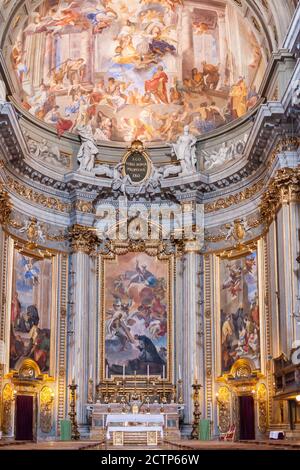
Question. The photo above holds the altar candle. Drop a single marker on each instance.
(179, 372)
(148, 371)
(73, 373)
(106, 373)
(196, 374)
(123, 371)
(91, 371)
(163, 372)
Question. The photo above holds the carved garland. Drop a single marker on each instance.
(262, 401)
(229, 201)
(46, 409)
(40, 198)
(224, 409)
(7, 402)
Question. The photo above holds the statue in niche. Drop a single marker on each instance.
(185, 152)
(88, 149)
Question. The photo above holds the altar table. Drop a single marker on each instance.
(134, 418)
(118, 424)
(168, 418)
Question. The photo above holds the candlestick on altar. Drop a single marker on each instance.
(106, 398)
(72, 412)
(196, 412)
(180, 397)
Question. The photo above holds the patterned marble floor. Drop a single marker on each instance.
(179, 445)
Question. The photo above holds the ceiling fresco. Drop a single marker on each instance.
(137, 70)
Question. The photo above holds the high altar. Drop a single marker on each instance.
(138, 410)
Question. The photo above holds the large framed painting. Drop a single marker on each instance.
(136, 308)
(239, 311)
(31, 308)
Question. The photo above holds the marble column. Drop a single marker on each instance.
(187, 43)
(189, 325)
(82, 242)
(222, 48)
(2, 91)
(287, 232)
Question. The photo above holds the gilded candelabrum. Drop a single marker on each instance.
(180, 396)
(123, 397)
(72, 413)
(147, 396)
(196, 412)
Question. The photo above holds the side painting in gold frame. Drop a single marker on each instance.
(136, 307)
(31, 307)
(239, 310)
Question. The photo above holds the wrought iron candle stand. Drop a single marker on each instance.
(196, 412)
(72, 412)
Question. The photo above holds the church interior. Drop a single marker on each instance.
(149, 224)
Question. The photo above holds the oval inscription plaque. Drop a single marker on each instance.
(136, 166)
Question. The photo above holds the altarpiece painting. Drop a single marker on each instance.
(136, 310)
(31, 311)
(239, 311)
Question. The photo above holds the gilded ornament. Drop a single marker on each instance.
(84, 206)
(31, 195)
(7, 399)
(283, 188)
(5, 206)
(262, 397)
(223, 401)
(82, 238)
(46, 406)
(284, 145)
(223, 203)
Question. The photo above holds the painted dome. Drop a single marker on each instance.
(137, 70)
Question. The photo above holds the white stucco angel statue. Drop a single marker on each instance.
(88, 149)
(185, 151)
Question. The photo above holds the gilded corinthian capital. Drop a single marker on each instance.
(82, 238)
(5, 207)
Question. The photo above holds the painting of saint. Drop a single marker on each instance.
(136, 315)
(123, 60)
(30, 311)
(239, 311)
